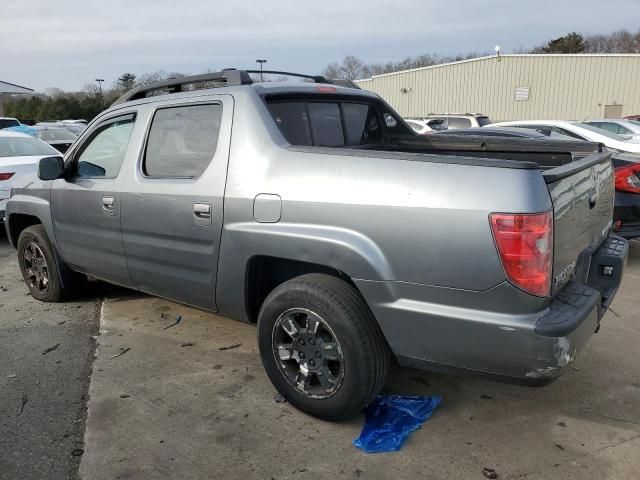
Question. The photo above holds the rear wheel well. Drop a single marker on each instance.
(18, 222)
(266, 273)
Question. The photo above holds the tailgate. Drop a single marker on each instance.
(582, 193)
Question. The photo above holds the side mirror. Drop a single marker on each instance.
(50, 168)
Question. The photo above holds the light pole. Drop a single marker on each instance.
(261, 61)
(100, 80)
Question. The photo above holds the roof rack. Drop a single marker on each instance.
(226, 78)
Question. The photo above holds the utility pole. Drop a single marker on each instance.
(100, 80)
(261, 61)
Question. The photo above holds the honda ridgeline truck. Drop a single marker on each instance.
(313, 210)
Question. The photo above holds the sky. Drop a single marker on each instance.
(66, 44)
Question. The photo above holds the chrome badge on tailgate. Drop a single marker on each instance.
(564, 275)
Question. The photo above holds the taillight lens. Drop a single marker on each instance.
(628, 178)
(525, 245)
(5, 176)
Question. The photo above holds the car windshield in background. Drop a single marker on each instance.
(24, 147)
(482, 121)
(8, 122)
(53, 134)
(600, 131)
(75, 129)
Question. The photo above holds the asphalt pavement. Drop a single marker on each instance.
(43, 396)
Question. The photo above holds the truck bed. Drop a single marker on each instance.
(545, 153)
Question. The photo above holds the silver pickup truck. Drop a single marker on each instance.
(313, 210)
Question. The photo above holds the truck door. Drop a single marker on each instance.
(172, 205)
(86, 204)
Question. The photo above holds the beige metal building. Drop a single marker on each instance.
(518, 87)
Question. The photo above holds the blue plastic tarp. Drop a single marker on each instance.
(390, 419)
(22, 129)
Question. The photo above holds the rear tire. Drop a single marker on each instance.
(40, 269)
(321, 346)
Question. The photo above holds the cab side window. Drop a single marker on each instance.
(102, 154)
(182, 141)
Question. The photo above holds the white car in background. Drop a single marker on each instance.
(419, 126)
(452, 121)
(629, 129)
(578, 130)
(19, 156)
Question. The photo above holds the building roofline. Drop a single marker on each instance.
(18, 86)
(486, 57)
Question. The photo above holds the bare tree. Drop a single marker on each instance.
(91, 89)
(54, 92)
(332, 71)
(352, 68)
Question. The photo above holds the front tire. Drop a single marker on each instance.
(38, 264)
(321, 346)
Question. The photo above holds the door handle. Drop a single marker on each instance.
(107, 205)
(202, 210)
(202, 214)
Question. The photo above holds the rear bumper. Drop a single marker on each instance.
(536, 342)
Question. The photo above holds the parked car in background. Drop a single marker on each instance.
(580, 131)
(75, 128)
(435, 124)
(6, 122)
(626, 214)
(19, 156)
(58, 137)
(80, 121)
(627, 129)
(419, 126)
(632, 117)
(262, 201)
(459, 120)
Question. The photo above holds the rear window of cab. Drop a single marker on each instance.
(327, 123)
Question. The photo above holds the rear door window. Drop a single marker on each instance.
(459, 122)
(182, 141)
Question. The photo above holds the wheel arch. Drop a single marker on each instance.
(18, 222)
(264, 273)
(289, 250)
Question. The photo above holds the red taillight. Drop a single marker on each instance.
(525, 245)
(628, 178)
(5, 176)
